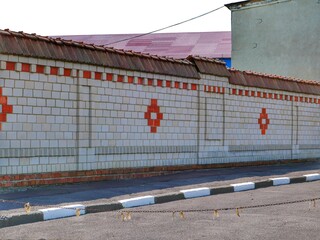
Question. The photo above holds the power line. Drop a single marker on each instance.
(173, 25)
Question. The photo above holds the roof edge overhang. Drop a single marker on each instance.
(251, 4)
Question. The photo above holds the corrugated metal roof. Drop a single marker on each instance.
(32, 45)
(210, 66)
(175, 45)
(253, 79)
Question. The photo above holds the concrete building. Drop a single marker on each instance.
(277, 37)
(72, 112)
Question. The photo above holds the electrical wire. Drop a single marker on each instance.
(160, 29)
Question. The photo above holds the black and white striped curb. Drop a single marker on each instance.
(79, 209)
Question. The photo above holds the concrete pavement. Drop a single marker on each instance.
(113, 195)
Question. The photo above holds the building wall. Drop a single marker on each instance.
(278, 37)
(59, 117)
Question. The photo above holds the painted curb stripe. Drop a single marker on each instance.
(70, 210)
(103, 207)
(221, 190)
(243, 186)
(65, 211)
(138, 201)
(263, 184)
(280, 181)
(312, 177)
(196, 192)
(297, 180)
(21, 219)
(169, 197)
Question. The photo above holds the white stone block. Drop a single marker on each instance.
(280, 181)
(238, 187)
(138, 201)
(65, 211)
(312, 177)
(196, 192)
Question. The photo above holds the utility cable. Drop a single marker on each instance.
(158, 30)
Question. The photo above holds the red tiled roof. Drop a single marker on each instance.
(210, 66)
(176, 45)
(281, 83)
(32, 45)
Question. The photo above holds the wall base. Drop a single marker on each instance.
(37, 179)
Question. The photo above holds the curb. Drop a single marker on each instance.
(79, 209)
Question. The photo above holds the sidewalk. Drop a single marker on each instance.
(101, 193)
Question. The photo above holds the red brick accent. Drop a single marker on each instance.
(194, 87)
(152, 109)
(98, 76)
(25, 67)
(3, 99)
(120, 78)
(263, 121)
(177, 84)
(40, 69)
(259, 94)
(54, 70)
(86, 74)
(159, 83)
(168, 84)
(109, 76)
(130, 79)
(140, 80)
(150, 82)
(185, 85)
(234, 91)
(11, 66)
(6, 109)
(240, 92)
(67, 72)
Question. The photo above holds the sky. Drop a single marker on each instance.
(74, 17)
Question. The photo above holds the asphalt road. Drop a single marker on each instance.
(101, 192)
(290, 221)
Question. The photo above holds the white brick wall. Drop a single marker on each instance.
(58, 125)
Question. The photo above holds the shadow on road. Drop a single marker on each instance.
(58, 194)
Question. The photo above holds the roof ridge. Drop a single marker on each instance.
(60, 40)
(207, 59)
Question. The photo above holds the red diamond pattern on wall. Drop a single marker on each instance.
(153, 115)
(263, 121)
(4, 108)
